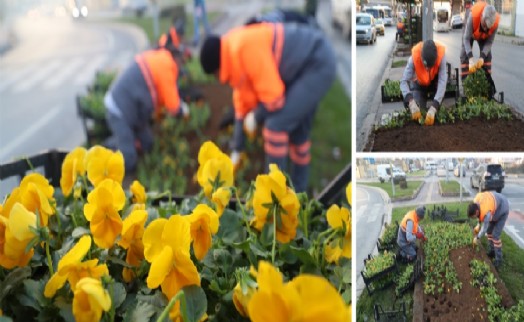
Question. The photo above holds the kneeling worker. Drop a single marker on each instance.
(410, 230)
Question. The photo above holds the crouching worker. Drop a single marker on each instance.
(409, 231)
(279, 73)
(425, 73)
(146, 86)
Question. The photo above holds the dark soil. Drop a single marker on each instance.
(219, 98)
(462, 136)
(468, 305)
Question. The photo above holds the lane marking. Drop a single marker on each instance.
(39, 76)
(17, 75)
(89, 70)
(66, 71)
(514, 232)
(31, 131)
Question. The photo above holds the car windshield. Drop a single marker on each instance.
(378, 21)
(363, 21)
(494, 168)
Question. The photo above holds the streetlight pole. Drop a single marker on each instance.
(427, 20)
(461, 160)
(391, 177)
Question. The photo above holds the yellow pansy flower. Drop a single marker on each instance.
(90, 300)
(306, 298)
(72, 269)
(204, 224)
(36, 194)
(15, 235)
(72, 167)
(104, 203)
(221, 199)
(139, 192)
(241, 300)
(131, 240)
(102, 163)
(215, 168)
(166, 247)
(271, 193)
(339, 218)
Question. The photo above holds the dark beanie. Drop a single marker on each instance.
(429, 53)
(210, 54)
(421, 211)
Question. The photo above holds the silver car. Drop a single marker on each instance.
(366, 31)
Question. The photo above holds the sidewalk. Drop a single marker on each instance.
(513, 40)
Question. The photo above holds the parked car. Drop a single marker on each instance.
(341, 16)
(456, 22)
(488, 177)
(384, 173)
(457, 169)
(366, 30)
(379, 25)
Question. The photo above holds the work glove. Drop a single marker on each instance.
(420, 235)
(250, 125)
(184, 110)
(415, 110)
(236, 158)
(475, 241)
(480, 63)
(430, 116)
(476, 229)
(472, 66)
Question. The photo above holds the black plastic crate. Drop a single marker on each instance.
(95, 127)
(386, 277)
(396, 314)
(418, 271)
(389, 99)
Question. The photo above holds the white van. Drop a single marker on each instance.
(384, 173)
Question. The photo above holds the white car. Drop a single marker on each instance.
(456, 22)
(366, 30)
(341, 16)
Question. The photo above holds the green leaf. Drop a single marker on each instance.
(303, 255)
(266, 237)
(196, 302)
(346, 296)
(223, 259)
(258, 250)
(13, 279)
(118, 295)
(65, 307)
(79, 232)
(143, 311)
(231, 228)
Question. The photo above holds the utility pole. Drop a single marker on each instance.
(155, 14)
(427, 20)
(391, 177)
(461, 160)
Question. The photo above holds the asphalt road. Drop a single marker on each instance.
(371, 63)
(370, 213)
(507, 68)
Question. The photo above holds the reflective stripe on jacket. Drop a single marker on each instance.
(412, 215)
(487, 203)
(160, 72)
(476, 15)
(249, 62)
(174, 38)
(424, 77)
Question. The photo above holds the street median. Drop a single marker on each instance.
(450, 189)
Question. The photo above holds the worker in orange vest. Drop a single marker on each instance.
(400, 30)
(492, 210)
(481, 26)
(279, 73)
(146, 86)
(409, 231)
(425, 73)
(173, 40)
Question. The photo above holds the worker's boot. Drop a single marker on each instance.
(498, 258)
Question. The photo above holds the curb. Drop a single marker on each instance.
(512, 40)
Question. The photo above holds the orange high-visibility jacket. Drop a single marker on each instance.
(412, 215)
(487, 202)
(476, 14)
(160, 72)
(424, 77)
(249, 61)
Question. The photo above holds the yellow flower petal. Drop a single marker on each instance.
(177, 233)
(89, 300)
(138, 191)
(272, 307)
(184, 273)
(133, 228)
(268, 278)
(76, 253)
(221, 199)
(55, 283)
(72, 166)
(160, 268)
(334, 216)
(20, 220)
(152, 239)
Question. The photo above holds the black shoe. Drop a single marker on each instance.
(491, 254)
(497, 263)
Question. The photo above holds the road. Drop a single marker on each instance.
(507, 74)
(370, 214)
(371, 64)
(55, 61)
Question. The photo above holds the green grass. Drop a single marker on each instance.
(331, 128)
(511, 273)
(146, 23)
(416, 173)
(412, 186)
(399, 63)
(386, 298)
(450, 186)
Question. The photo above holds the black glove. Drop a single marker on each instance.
(228, 118)
(434, 104)
(407, 98)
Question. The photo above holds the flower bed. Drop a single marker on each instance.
(91, 250)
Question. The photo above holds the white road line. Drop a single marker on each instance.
(374, 213)
(361, 210)
(39, 76)
(32, 130)
(365, 191)
(89, 70)
(514, 232)
(65, 72)
(17, 75)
